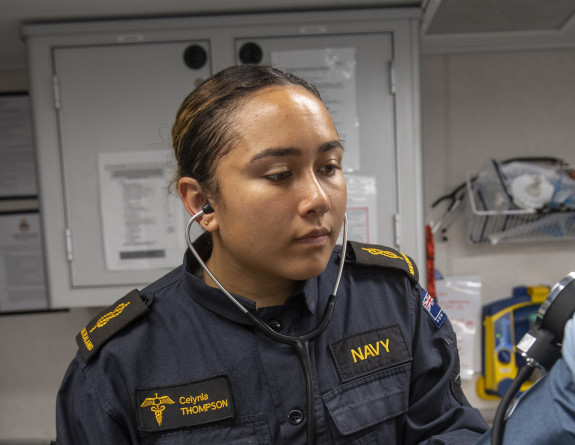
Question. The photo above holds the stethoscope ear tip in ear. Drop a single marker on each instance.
(207, 208)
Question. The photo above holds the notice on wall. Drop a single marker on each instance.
(460, 299)
(22, 277)
(361, 209)
(333, 72)
(17, 161)
(143, 223)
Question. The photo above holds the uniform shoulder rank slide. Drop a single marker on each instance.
(371, 255)
(108, 322)
(432, 309)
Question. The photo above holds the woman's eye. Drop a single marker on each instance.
(330, 169)
(278, 177)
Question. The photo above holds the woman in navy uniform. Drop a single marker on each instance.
(178, 362)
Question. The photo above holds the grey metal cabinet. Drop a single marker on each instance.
(100, 88)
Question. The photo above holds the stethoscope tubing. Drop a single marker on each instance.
(300, 343)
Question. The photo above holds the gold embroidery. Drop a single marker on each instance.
(392, 255)
(369, 350)
(406, 258)
(106, 318)
(87, 342)
(157, 405)
(386, 253)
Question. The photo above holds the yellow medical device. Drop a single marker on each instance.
(504, 324)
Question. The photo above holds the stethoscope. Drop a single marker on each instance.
(300, 343)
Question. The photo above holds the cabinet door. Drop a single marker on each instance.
(112, 99)
(369, 139)
(109, 88)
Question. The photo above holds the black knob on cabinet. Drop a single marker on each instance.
(251, 53)
(195, 57)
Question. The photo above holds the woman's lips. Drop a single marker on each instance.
(315, 237)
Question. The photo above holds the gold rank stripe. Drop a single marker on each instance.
(386, 253)
(109, 322)
(106, 318)
(100, 323)
(391, 255)
(406, 258)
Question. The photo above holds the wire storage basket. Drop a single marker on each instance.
(488, 225)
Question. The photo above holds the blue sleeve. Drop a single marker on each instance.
(546, 413)
(568, 348)
(438, 413)
(81, 416)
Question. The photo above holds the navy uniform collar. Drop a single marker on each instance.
(213, 299)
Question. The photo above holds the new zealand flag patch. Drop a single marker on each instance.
(432, 308)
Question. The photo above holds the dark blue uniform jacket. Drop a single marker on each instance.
(182, 365)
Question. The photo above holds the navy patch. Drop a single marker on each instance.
(197, 403)
(432, 308)
(108, 322)
(371, 255)
(368, 352)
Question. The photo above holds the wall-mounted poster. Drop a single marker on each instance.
(22, 277)
(361, 209)
(17, 161)
(332, 71)
(142, 222)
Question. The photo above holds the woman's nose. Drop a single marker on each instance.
(314, 197)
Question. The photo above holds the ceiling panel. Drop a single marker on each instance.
(487, 16)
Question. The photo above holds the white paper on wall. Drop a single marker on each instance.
(17, 160)
(361, 209)
(333, 72)
(460, 299)
(142, 222)
(22, 277)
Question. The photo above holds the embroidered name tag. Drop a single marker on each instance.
(197, 403)
(368, 352)
(432, 308)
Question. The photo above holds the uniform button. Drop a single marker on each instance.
(295, 417)
(276, 325)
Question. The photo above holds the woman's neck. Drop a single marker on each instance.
(264, 291)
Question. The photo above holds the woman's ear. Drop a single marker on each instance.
(191, 195)
(194, 199)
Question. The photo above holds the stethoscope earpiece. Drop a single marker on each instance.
(207, 208)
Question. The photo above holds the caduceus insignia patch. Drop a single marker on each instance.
(157, 405)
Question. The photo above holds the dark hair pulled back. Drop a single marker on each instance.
(203, 130)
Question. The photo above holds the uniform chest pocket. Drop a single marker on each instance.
(251, 430)
(368, 401)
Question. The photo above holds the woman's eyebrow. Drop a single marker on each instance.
(276, 152)
(330, 145)
(292, 151)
